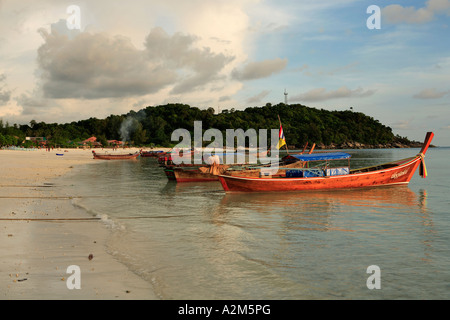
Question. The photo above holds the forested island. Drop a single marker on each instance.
(153, 127)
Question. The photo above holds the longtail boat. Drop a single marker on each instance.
(397, 172)
(169, 169)
(198, 174)
(110, 156)
(167, 158)
(204, 173)
(152, 154)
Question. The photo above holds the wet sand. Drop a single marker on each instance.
(42, 234)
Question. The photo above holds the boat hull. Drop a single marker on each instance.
(193, 176)
(116, 156)
(152, 154)
(394, 173)
(181, 174)
(400, 174)
(169, 174)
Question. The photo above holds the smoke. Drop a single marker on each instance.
(130, 125)
(127, 128)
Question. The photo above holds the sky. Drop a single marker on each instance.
(60, 65)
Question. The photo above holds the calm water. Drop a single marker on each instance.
(194, 241)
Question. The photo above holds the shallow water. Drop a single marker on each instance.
(194, 241)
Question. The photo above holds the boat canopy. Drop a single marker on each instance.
(321, 156)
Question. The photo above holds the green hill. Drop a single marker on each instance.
(154, 126)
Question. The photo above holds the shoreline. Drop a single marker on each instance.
(43, 234)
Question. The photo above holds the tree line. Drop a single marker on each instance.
(153, 126)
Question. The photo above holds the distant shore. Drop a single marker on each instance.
(42, 234)
(357, 145)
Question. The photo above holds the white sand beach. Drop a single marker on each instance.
(42, 235)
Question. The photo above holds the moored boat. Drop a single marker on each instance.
(169, 169)
(152, 154)
(317, 178)
(110, 156)
(200, 174)
(204, 173)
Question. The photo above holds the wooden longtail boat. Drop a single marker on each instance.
(198, 173)
(204, 173)
(168, 158)
(169, 169)
(393, 173)
(108, 156)
(152, 154)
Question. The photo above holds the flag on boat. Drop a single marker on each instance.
(281, 140)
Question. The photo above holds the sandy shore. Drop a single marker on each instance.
(42, 234)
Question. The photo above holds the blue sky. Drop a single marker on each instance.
(227, 54)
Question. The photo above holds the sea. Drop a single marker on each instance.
(195, 241)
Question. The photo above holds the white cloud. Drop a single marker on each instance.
(177, 52)
(401, 125)
(321, 94)
(92, 66)
(258, 98)
(398, 14)
(261, 69)
(430, 93)
(112, 58)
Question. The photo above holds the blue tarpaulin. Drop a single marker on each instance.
(321, 156)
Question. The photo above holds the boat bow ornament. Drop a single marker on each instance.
(423, 167)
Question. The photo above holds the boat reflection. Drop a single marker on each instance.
(395, 197)
(194, 187)
(369, 197)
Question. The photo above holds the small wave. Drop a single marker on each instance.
(76, 203)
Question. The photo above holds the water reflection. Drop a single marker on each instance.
(328, 200)
(199, 242)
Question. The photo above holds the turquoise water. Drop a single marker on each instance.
(194, 241)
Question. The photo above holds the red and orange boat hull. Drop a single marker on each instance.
(397, 173)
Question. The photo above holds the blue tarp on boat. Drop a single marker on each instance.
(321, 156)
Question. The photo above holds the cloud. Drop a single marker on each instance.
(224, 99)
(200, 66)
(31, 104)
(402, 125)
(398, 14)
(258, 97)
(258, 70)
(301, 69)
(430, 93)
(321, 94)
(5, 95)
(95, 66)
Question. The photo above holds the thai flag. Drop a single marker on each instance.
(281, 140)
